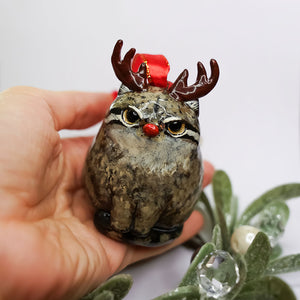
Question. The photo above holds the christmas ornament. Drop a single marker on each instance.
(144, 171)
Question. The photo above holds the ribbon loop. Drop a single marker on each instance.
(157, 68)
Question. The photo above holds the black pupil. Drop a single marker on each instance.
(175, 126)
(132, 116)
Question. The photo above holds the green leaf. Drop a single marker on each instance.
(283, 192)
(257, 256)
(105, 295)
(185, 292)
(190, 277)
(226, 205)
(276, 252)
(217, 237)
(203, 199)
(266, 288)
(223, 194)
(205, 209)
(118, 285)
(223, 226)
(290, 263)
(234, 210)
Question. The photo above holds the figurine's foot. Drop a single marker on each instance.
(157, 236)
(102, 221)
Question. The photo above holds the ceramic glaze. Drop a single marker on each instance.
(144, 171)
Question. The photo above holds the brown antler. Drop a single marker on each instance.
(135, 81)
(182, 92)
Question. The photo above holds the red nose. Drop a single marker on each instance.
(150, 130)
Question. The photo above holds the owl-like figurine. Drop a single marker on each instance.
(144, 170)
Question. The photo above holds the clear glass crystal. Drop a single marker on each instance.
(272, 221)
(218, 274)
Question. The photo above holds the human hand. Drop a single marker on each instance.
(50, 248)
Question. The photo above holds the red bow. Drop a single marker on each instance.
(157, 68)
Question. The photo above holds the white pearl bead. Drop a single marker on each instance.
(242, 238)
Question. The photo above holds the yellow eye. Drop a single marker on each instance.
(130, 116)
(176, 127)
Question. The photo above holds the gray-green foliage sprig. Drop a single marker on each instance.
(261, 260)
(256, 267)
(115, 288)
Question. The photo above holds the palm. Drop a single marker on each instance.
(46, 219)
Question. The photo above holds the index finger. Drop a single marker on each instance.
(68, 109)
(77, 110)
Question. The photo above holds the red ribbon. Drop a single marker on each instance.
(157, 68)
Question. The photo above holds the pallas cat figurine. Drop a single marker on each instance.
(144, 171)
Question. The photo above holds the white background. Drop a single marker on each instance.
(249, 122)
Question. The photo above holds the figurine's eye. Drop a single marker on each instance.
(176, 127)
(130, 116)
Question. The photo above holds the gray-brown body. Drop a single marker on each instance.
(144, 187)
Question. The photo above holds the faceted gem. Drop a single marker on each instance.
(272, 220)
(218, 274)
